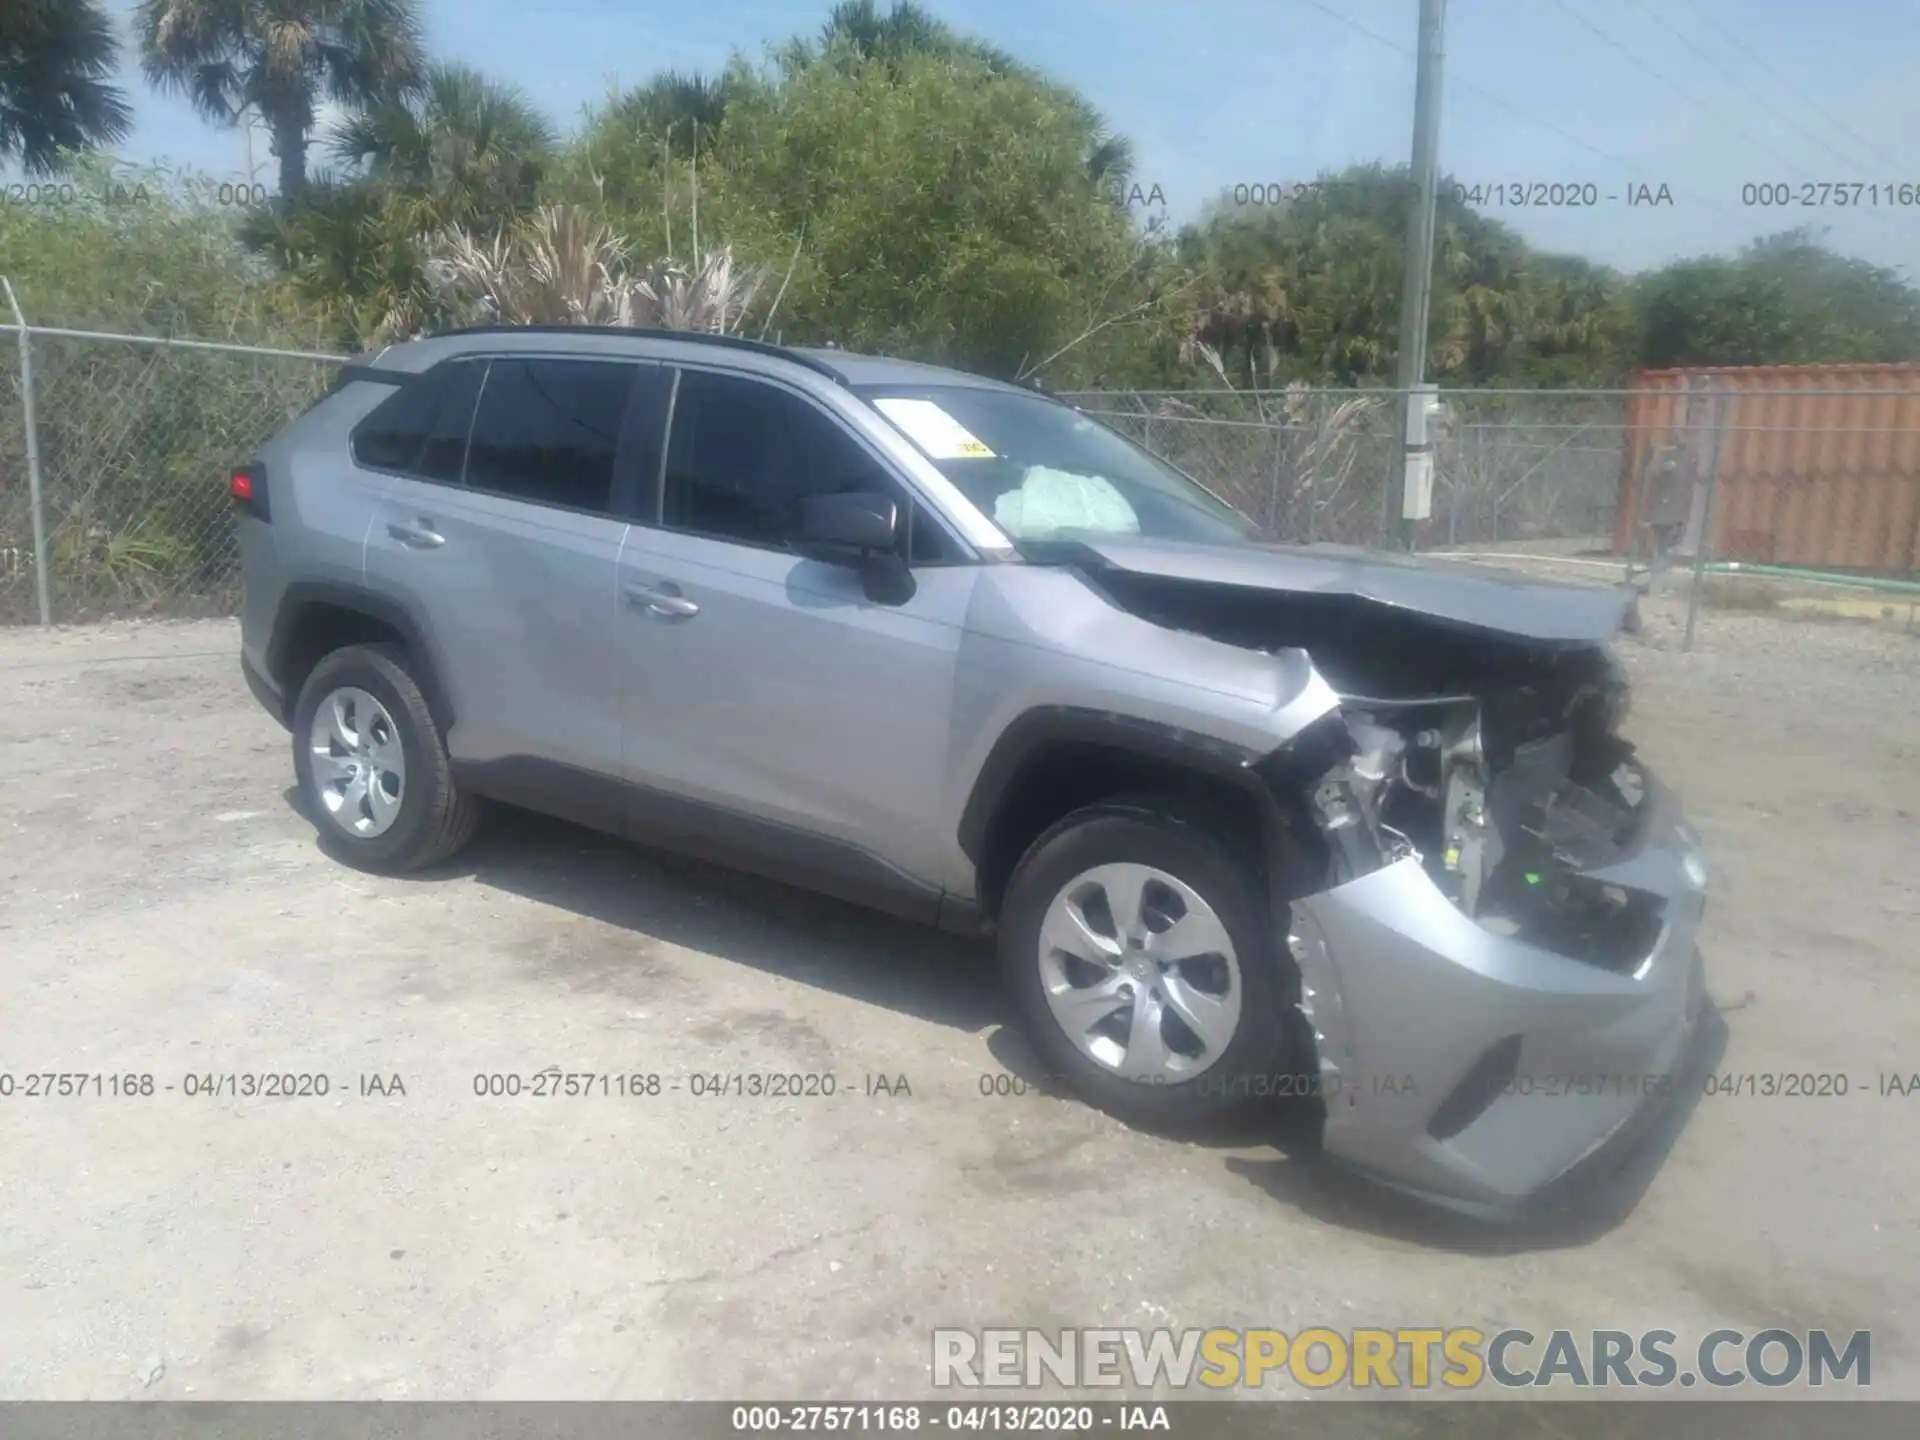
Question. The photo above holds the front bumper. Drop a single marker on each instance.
(1484, 1072)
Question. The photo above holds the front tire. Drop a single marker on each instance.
(372, 766)
(1135, 948)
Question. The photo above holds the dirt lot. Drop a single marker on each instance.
(164, 910)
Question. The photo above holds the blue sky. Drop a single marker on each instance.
(1703, 96)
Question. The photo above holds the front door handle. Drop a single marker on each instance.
(663, 600)
(419, 535)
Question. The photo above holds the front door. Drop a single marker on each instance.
(766, 687)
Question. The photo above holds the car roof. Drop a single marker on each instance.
(885, 370)
(842, 366)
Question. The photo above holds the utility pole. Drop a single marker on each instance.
(1415, 296)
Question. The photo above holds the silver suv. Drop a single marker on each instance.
(1247, 821)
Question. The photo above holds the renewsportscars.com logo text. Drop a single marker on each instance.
(1459, 1358)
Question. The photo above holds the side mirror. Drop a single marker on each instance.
(861, 530)
(856, 522)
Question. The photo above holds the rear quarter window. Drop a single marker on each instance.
(421, 429)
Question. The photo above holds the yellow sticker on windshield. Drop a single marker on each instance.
(934, 430)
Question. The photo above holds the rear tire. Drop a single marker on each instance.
(1168, 1011)
(372, 766)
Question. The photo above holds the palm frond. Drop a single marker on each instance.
(281, 60)
(563, 267)
(56, 92)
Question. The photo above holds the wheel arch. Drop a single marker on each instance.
(1056, 759)
(317, 617)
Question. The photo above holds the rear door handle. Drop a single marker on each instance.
(665, 600)
(419, 535)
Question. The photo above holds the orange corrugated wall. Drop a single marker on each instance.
(1829, 481)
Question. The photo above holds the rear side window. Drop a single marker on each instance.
(548, 431)
(421, 429)
(390, 438)
(445, 449)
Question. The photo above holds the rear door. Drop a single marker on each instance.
(505, 536)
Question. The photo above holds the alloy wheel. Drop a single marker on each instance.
(359, 767)
(1139, 971)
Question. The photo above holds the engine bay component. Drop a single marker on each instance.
(1472, 846)
(1491, 757)
(1514, 847)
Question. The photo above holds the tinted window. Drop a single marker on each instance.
(927, 543)
(392, 436)
(547, 430)
(446, 438)
(645, 434)
(742, 455)
(422, 427)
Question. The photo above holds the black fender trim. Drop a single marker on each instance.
(302, 596)
(1275, 781)
(1034, 730)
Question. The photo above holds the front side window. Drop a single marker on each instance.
(548, 431)
(1041, 470)
(743, 454)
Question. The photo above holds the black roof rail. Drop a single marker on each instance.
(698, 337)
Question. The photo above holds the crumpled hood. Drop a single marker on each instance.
(1477, 596)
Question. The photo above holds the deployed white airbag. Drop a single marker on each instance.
(1050, 500)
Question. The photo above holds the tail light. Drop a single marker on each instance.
(248, 487)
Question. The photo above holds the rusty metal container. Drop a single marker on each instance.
(1818, 465)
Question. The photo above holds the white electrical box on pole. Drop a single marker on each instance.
(1416, 292)
(1423, 410)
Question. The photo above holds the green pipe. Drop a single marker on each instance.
(1813, 577)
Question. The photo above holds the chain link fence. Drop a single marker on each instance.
(133, 440)
(1325, 465)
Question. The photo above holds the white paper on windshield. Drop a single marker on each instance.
(934, 430)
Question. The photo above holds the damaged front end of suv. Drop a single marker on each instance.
(1494, 902)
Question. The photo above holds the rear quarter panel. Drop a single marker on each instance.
(322, 506)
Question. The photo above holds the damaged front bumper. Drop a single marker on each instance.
(1482, 1071)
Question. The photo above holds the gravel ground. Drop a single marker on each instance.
(165, 911)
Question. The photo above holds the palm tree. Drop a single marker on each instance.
(472, 149)
(281, 58)
(56, 57)
(904, 31)
(683, 109)
(353, 250)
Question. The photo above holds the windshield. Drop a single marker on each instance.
(1043, 471)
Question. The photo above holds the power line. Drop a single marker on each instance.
(1788, 86)
(1353, 24)
(1747, 221)
(1468, 85)
(1666, 80)
(1488, 97)
(1567, 7)
(1712, 61)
